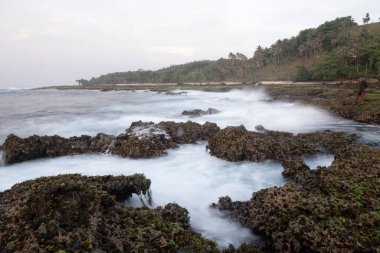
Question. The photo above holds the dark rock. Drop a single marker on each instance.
(193, 113)
(212, 111)
(81, 214)
(144, 147)
(244, 248)
(189, 132)
(172, 212)
(260, 128)
(199, 112)
(18, 149)
(238, 144)
(102, 143)
(224, 204)
(295, 169)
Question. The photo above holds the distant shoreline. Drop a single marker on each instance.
(337, 97)
(213, 86)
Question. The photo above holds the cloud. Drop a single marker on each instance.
(80, 39)
(19, 36)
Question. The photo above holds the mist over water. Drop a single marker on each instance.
(188, 176)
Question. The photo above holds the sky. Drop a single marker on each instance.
(55, 42)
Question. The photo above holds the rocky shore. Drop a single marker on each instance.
(333, 209)
(73, 213)
(329, 209)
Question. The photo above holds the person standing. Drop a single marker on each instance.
(362, 87)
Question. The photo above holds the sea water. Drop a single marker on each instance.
(188, 176)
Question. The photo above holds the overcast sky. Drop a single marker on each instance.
(55, 42)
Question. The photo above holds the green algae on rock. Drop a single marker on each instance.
(82, 214)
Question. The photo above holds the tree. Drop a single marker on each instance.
(366, 19)
(81, 82)
(303, 74)
(328, 68)
(370, 53)
(258, 57)
(231, 56)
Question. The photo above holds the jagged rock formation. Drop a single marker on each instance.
(335, 209)
(199, 112)
(81, 214)
(141, 140)
(189, 132)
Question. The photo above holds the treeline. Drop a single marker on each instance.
(336, 49)
(235, 68)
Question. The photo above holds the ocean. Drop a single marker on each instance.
(188, 176)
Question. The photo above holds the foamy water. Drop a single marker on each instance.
(188, 176)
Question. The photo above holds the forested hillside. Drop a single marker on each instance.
(338, 49)
(335, 49)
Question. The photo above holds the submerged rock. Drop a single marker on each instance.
(81, 214)
(260, 128)
(338, 211)
(199, 112)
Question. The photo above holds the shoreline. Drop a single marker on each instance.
(337, 97)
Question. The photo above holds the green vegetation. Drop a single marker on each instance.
(235, 68)
(337, 49)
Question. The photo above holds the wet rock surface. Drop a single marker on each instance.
(81, 214)
(337, 211)
(173, 212)
(18, 149)
(189, 132)
(199, 112)
(330, 209)
(141, 140)
(238, 144)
